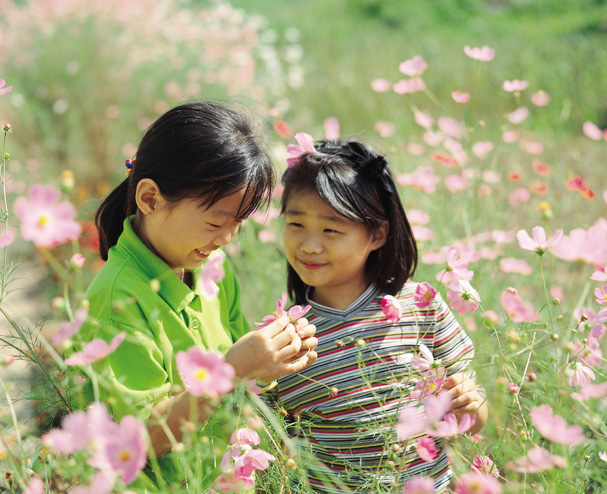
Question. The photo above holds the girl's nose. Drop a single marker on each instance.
(311, 245)
(225, 234)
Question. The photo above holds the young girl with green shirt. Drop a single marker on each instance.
(198, 172)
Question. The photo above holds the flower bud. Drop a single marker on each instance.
(513, 388)
(77, 261)
(559, 317)
(532, 377)
(67, 180)
(334, 392)
(8, 127)
(291, 464)
(554, 336)
(556, 301)
(361, 343)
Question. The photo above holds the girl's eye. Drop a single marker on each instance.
(295, 225)
(213, 226)
(331, 232)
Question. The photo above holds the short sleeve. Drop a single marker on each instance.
(452, 346)
(231, 311)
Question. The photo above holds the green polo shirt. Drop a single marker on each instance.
(142, 371)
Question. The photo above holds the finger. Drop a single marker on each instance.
(289, 350)
(310, 343)
(286, 337)
(306, 331)
(275, 327)
(300, 324)
(300, 364)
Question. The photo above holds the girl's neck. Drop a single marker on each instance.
(339, 298)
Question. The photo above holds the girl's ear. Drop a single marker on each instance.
(148, 196)
(380, 235)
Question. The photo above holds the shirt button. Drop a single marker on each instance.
(195, 323)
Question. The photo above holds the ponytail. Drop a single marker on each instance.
(111, 214)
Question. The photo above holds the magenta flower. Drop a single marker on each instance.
(513, 305)
(293, 313)
(4, 90)
(44, 220)
(294, 152)
(96, 350)
(485, 464)
(77, 261)
(204, 372)
(212, 271)
(463, 297)
(537, 460)
(484, 54)
(251, 460)
(426, 449)
(125, 451)
(601, 295)
(425, 361)
(391, 308)
(409, 86)
(554, 427)
(538, 243)
(69, 329)
(419, 485)
(101, 483)
(477, 483)
(515, 86)
(413, 67)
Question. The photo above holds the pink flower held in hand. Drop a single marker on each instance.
(44, 220)
(484, 54)
(485, 464)
(601, 295)
(212, 271)
(426, 449)
(391, 308)
(419, 485)
(69, 329)
(294, 152)
(96, 350)
(538, 243)
(555, 428)
(477, 483)
(204, 372)
(293, 313)
(463, 297)
(424, 295)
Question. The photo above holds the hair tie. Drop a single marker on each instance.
(377, 166)
(129, 167)
(294, 152)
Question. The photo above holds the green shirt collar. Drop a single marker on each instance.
(176, 293)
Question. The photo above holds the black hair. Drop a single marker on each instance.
(356, 182)
(196, 150)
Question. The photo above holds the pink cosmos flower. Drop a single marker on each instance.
(450, 127)
(294, 312)
(77, 261)
(540, 98)
(101, 483)
(244, 436)
(477, 483)
(226, 482)
(418, 217)
(513, 265)
(7, 239)
(426, 449)
(538, 243)
(423, 178)
(44, 220)
(579, 374)
(459, 97)
(253, 388)
(126, 451)
(265, 217)
(482, 148)
(600, 273)
(413, 421)
(204, 372)
(331, 126)
(518, 196)
(601, 295)
(424, 295)
(537, 460)
(449, 426)
(463, 297)
(425, 361)
(483, 54)
(4, 90)
(592, 131)
(430, 384)
(391, 308)
(456, 267)
(381, 85)
(69, 329)
(384, 129)
(267, 236)
(419, 485)
(519, 115)
(409, 86)
(515, 85)
(36, 486)
(96, 349)
(513, 305)
(422, 119)
(588, 391)
(455, 183)
(554, 427)
(294, 152)
(212, 272)
(589, 246)
(485, 464)
(251, 460)
(414, 66)
(421, 233)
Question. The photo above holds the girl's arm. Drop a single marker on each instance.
(466, 399)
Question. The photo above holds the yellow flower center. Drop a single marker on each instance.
(427, 296)
(201, 374)
(125, 455)
(43, 220)
(431, 387)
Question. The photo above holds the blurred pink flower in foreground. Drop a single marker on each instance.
(591, 391)
(305, 145)
(424, 295)
(412, 421)
(513, 305)
(463, 297)
(482, 148)
(459, 97)
(69, 329)
(426, 449)
(477, 483)
(36, 486)
(96, 349)
(204, 372)
(554, 427)
(44, 220)
(515, 85)
(600, 273)
(589, 246)
(391, 308)
(423, 178)
(6, 239)
(601, 295)
(419, 485)
(483, 54)
(212, 272)
(537, 460)
(4, 90)
(414, 66)
(485, 464)
(293, 313)
(425, 360)
(538, 243)
(592, 131)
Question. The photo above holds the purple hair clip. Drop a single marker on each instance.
(294, 152)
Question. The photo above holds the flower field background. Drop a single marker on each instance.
(493, 123)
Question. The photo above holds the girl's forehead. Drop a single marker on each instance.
(309, 203)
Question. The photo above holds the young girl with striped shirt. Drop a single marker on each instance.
(349, 244)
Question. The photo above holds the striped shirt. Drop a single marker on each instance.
(345, 405)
